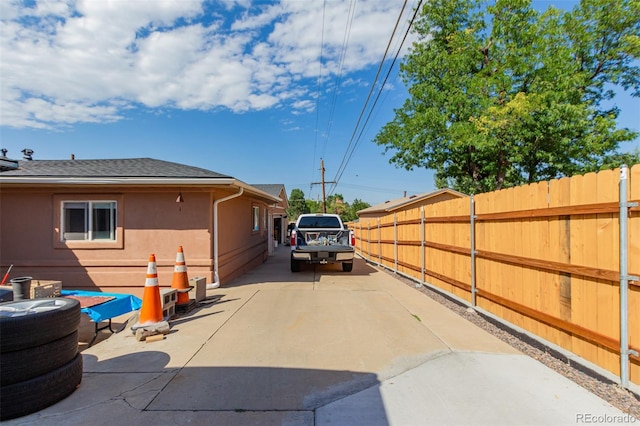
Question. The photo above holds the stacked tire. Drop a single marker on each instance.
(39, 359)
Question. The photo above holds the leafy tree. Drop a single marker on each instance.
(353, 208)
(314, 206)
(616, 160)
(503, 95)
(297, 204)
(335, 204)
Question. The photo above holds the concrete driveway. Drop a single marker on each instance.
(319, 347)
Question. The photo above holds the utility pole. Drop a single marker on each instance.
(324, 198)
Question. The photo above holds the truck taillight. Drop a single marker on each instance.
(293, 239)
(353, 239)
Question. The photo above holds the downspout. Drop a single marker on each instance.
(216, 277)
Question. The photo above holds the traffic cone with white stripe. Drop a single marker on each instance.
(180, 280)
(150, 319)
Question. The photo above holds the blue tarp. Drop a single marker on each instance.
(122, 304)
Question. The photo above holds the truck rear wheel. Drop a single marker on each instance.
(347, 266)
(295, 265)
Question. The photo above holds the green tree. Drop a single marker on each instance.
(314, 206)
(353, 209)
(503, 95)
(297, 204)
(336, 204)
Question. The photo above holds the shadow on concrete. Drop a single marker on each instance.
(143, 389)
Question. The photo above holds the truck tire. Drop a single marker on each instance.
(36, 322)
(295, 265)
(347, 266)
(25, 364)
(33, 395)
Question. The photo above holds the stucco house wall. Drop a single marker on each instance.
(149, 220)
(276, 214)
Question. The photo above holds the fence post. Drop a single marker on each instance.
(368, 240)
(422, 241)
(624, 279)
(472, 216)
(379, 244)
(395, 242)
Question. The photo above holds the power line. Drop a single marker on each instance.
(373, 84)
(348, 155)
(319, 88)
(338, 80)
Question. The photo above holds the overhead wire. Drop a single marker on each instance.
(338, 79)
(319, 91)
(342, 165)
(353, 142)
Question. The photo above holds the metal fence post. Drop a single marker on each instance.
(379, 243)
(422, 241)
(473, 250)
(368, 240)
(395, 242)
(624, 279)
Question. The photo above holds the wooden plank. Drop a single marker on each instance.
(516, 246)
(607, 257)
(536, 288)
(580, 209)
(582, 333)
(486, 241)
(581, 271)
(582, 253)
(560, 252)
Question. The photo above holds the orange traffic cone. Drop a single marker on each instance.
(180, 279)
(151, 318)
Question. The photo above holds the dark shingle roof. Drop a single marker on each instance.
(270, 188)
(117, 168)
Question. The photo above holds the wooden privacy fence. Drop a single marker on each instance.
(560, 259)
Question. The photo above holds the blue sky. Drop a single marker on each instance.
(236, 87)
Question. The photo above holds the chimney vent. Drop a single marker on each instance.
(7, 164)
(27, 154)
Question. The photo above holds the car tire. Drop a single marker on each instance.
(295, 265)
(347, 266)
(25, 364)
(36, 322)
(29, 396)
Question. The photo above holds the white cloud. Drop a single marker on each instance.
(66, 62)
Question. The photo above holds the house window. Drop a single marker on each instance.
(88, 221)
(256, 218)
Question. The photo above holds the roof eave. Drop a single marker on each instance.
(38, 180)
(151, 181)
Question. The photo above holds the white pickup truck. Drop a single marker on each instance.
(321, 238)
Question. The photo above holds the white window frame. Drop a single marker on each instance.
(89, 206)
(256, 218)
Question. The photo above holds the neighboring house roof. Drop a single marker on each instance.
(275, 189)
(392, 205)
(123, 168)
(270, 188)
(126, 171)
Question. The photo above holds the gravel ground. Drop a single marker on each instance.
(611, 392)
